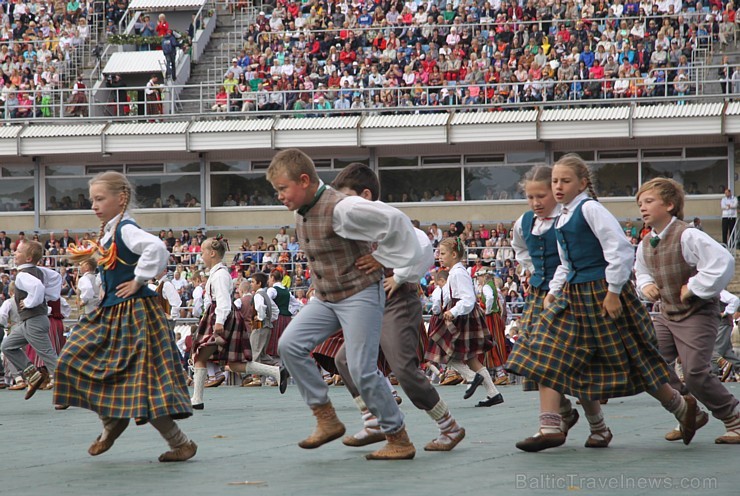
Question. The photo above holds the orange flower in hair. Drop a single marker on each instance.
(86, 250)
(110, 256)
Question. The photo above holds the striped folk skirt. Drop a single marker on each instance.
(532, 312)
(496, 356)
(576, 351)
(464, 338)
(232, 344)
(325, 353)
(277, 330)
(122, 362)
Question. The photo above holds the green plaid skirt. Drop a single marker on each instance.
(576, 351)
(122, 362)
(532, 311)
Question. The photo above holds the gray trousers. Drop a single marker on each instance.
(359, 316)
(258, 341)
(33, 331)
(723, 345)
(692, 339)
(399, 340)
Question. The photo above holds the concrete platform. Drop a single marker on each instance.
(251, 435)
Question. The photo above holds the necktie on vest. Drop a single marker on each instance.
(654, 241)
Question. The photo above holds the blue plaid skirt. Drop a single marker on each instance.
(122, 362)
(576, 351)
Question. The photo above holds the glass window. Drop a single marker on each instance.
(398, 162)
(65, 170)
(322, 163)
(166, 191)
(16, 195)
(328, 176)
(17, 171)
(675, 152)
(525, 157)
(97, 169)
(614, 154)
(585, 155)
(67, 193)
(410, 185)
(183, 167)
(454, 160)
(142, 168)
(500, 182)
(240, 166)
(341, 163)
(615, 179)
(717, 151)
(699, 177)
(484, 159)
(231, 190)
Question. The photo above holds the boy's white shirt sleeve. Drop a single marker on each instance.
(642, 273)
(85, 287)
(463, 291)
(361, 220)
(259, 306)
(152, 253)
(66, 309)
(5, 310)
(294, 306)
(31, 285)
(198, 301)
(413, 273)
(715, 265)
(52, 284)
(173, 298)
(732, 302)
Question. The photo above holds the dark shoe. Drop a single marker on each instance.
(183, 452)
(688, 424)
(61, 407)
(470, 391)
(599, 439)
(541, 441)
(3, 385)
(702, 418)
(35, 381)
(199, 406)
(570, 421)
(284, 375)
(491, 401)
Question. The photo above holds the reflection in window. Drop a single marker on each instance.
(234, 190)
(417, 185)
(699, 177)
(498, 182)
(398, 162)
(67, 193)
(230, 166)
(176, 191)
(614, 179)
(16, 195)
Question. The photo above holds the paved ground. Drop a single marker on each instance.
(251, 435)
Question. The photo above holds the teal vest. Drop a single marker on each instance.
(123, 272)
(543, 250)
(282, 300)
(582, 249)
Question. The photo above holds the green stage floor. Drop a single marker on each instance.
(251, 435)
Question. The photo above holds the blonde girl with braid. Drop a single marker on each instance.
(461, 337)
(594, 339)
(122, 362)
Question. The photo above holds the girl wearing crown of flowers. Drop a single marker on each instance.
(121, 361)
(461, 337)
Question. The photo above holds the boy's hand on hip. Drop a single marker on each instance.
(368, 264)
(651, 292)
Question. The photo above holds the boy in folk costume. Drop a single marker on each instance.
(400, 334)
(88, 287)
(264, 317)
(33, 327)
(686, 270)
(335, 231)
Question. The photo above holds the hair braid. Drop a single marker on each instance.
(127, 199)
(591, 190)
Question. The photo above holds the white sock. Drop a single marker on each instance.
(169, 431)
(199, 383)
(264, 370)
(488, 382)
(462, 367)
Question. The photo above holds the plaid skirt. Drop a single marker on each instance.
(576, 351)
(532, 310)
(277, 330)
(496, 356)
(232, 344)
(464, 338)
(122, 362)
(325, 353)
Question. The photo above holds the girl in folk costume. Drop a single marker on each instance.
(595, 340)
(488, 299)
(461, 336)
(222, 332)
(536, 248)
(450, 376)
(287, 307)
(121, 361)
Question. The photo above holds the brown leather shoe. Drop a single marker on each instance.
(35, 381)
(18, 386)
(328, 427)
(216, 382)
(99, 447)
(183, 452)
(452, 378)
(599, 439)
(446, 441)
(570, 421)
(541, 441)
(702, 418)
(688, 423)
(398, 447)
(364, 437)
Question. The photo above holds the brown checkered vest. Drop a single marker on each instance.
(670, 271)
(331, 257)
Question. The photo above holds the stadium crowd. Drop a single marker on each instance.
(345, 56)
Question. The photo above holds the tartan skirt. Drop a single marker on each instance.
(325, 353)
(532, 310)
(232, 344)
(496, 356)
(464, 338)
(576, 351)
(122, 362)
(277, 330)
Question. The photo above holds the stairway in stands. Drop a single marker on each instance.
(224, 44)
